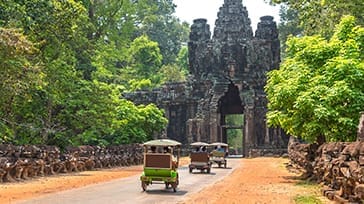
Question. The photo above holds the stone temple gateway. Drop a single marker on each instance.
(227, 76)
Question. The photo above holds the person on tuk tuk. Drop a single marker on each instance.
(202, 149)
(220, 149)
(153, 149)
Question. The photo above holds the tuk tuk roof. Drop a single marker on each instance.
(162, 142)
(200, 144)
(219, 144)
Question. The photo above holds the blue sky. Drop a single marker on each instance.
(187, 10)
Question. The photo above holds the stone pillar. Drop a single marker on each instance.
(218, 136)
(249, 129)
(194, 130)
(214, 125)
(267, 140)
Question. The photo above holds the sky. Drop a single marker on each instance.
(188, 10)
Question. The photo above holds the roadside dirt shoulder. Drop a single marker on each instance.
(256, 181)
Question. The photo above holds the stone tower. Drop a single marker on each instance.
(227, 76)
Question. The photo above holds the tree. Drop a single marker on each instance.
(182, 60)
(137, 124)
(320, 17)
(89, 113)
(172, 73)
(88, 51)
(19, 73)
(116, 24)
(161, 26)
(235, 136)
(318, 91)
(137, 85)
(288, 26)
(145, 58)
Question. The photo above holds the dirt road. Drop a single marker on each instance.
(128, 190)
(259, 180)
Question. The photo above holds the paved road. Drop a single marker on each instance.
(128, 190)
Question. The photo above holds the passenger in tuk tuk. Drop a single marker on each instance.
(153, 149)
(202, 149)
(220, 149)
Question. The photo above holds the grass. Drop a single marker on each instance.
(307, 199)
(307, 184)
(312, 195)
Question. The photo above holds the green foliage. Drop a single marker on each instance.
(144, 84)
(182, 60)
(235, 136)
(145, 57)
(89, 113)
(319, 90)
(126, 22)
(320, 17)
(64, 89)
(288, 26)
(143, 65)
(137, 123)
(110, 63)
(19, 74)
(172, 73)
(162, 27)
(176, 72)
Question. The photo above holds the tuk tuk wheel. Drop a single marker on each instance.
(144, 185)
(174, 186)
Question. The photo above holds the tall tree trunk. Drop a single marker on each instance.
(360, 136)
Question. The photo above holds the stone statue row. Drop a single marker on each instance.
(339, 166)
(28, 161)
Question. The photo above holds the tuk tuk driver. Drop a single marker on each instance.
(220, 149)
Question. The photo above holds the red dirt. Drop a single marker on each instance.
(258, 180)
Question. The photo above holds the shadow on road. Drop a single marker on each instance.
(216, 167)
(167, 192)
(203, 173)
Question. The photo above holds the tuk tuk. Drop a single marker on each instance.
(161, 158)
(200, 158)
(219, 154)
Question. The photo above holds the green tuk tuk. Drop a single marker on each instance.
(161, 158)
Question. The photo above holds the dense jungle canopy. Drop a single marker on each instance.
(64, 65)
